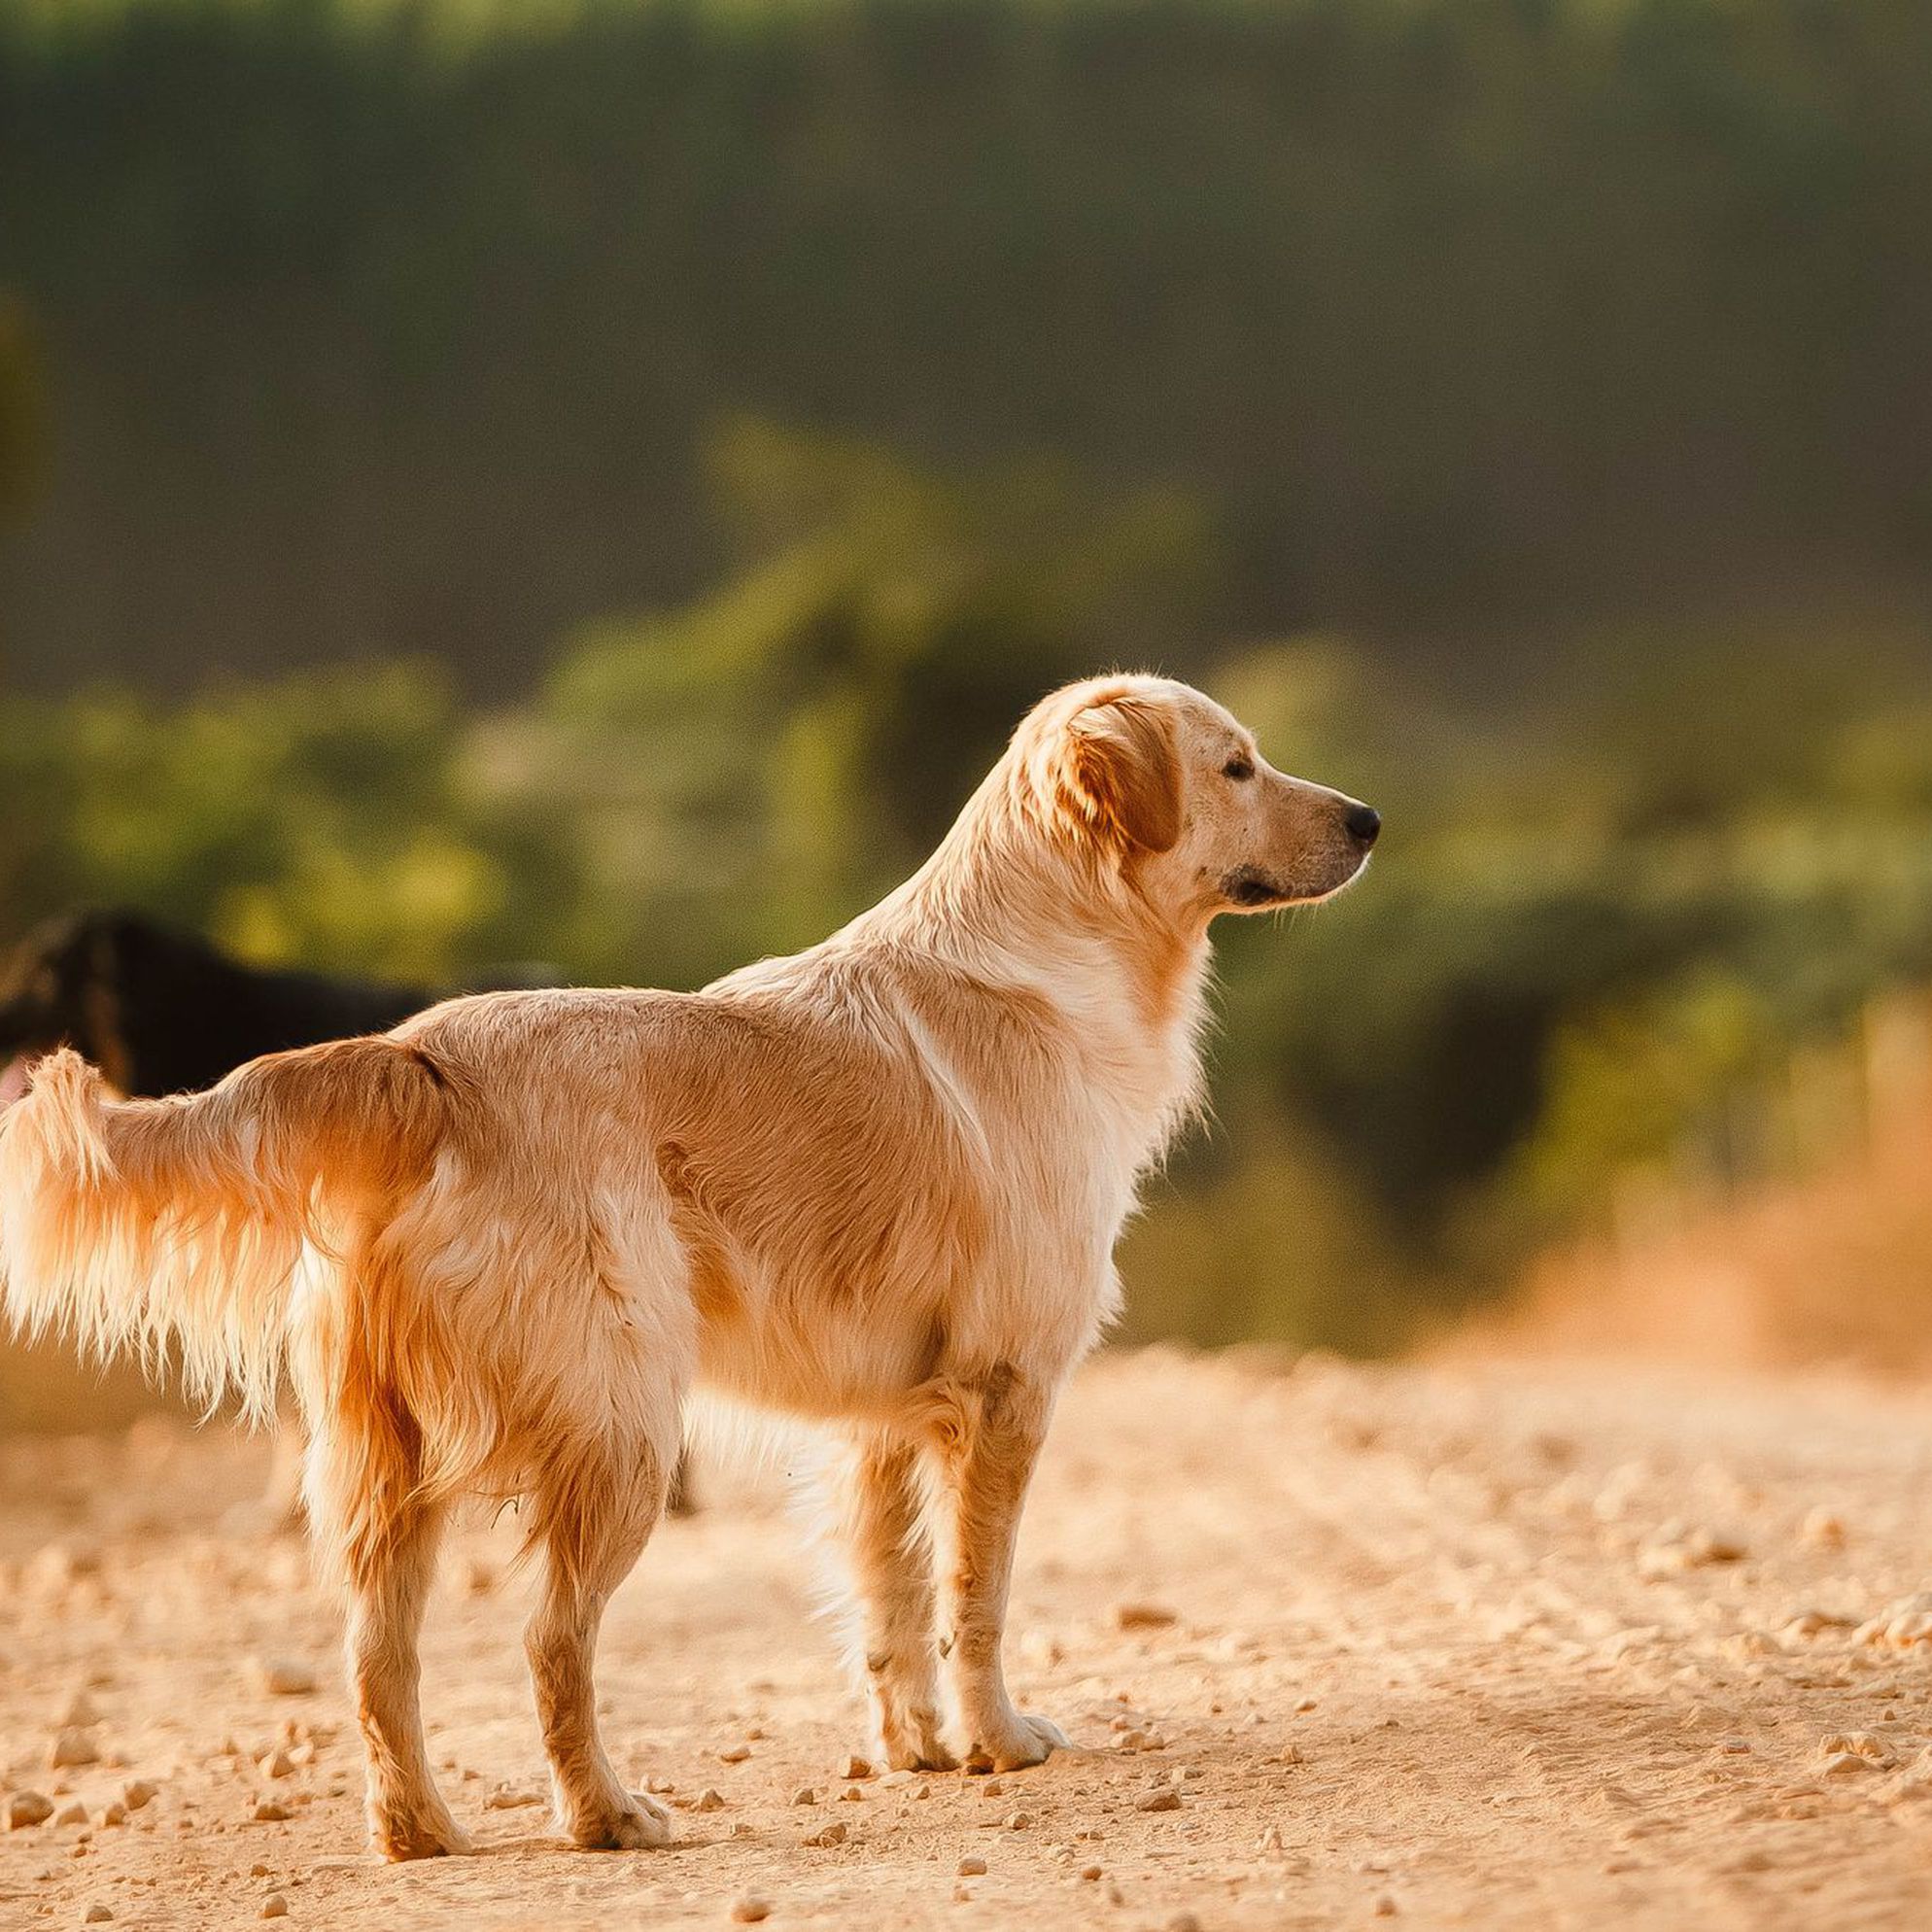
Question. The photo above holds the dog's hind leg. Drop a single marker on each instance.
(878, 1494)
(595, 1507)
(367, 1512)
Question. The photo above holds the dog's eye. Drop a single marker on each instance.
(1237, 768)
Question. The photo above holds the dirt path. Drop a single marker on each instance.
(1483, 1646)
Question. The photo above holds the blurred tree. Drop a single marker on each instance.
(392, 324)
(789, 746)
(1638, 1087)
(324, 821)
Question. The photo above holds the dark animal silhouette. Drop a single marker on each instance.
(162, 1012)
(159, 1012)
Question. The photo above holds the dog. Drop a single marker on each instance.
(876, 1187)
(159, 1012)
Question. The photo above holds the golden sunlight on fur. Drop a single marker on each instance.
(877, 1185)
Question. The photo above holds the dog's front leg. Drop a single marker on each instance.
(1002, 1423)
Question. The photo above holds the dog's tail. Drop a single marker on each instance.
(180, 1224)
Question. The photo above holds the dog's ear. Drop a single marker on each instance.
(1120, 773)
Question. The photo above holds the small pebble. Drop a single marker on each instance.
(750, 1910)
(115, 1813)
(27, 1808)
(1090, 1873)
(858, 1768)
(72, 1747)
(736, 1755)
(824, 1839)
(1166, 1798)
(75, 1813)
(972, 1868)
(1823, 1531)
(96, 1914)
(1677, 1549)
(709, 1800)
(1143, 1616)
(805, 1794)
(138, 1793)
(1018, 1820)
(277, 1764)
(508, 1798)
(274, 1906)
(283, 1677)
(1855, 1744)
(80, 1708)
(271, 1813)
(56, 1567)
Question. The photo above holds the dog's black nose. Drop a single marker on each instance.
(1363, 821)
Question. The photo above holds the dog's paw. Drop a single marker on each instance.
(404, 1836)
(641, 1825)
(1020, 1740)
(912, 1741)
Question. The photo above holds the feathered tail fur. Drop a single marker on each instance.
(151, 1225)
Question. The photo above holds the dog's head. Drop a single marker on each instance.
(60, 989)
(1157, 779)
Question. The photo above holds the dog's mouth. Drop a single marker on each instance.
(1254, 890)
(1248, 885)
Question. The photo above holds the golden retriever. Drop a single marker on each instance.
(877, 1185)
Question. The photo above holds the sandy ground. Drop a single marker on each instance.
(1478, 1646)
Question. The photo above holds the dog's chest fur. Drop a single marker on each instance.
(951, 1191)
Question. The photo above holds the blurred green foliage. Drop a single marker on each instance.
(1612, 904)
(800, 738)
(324, 818)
